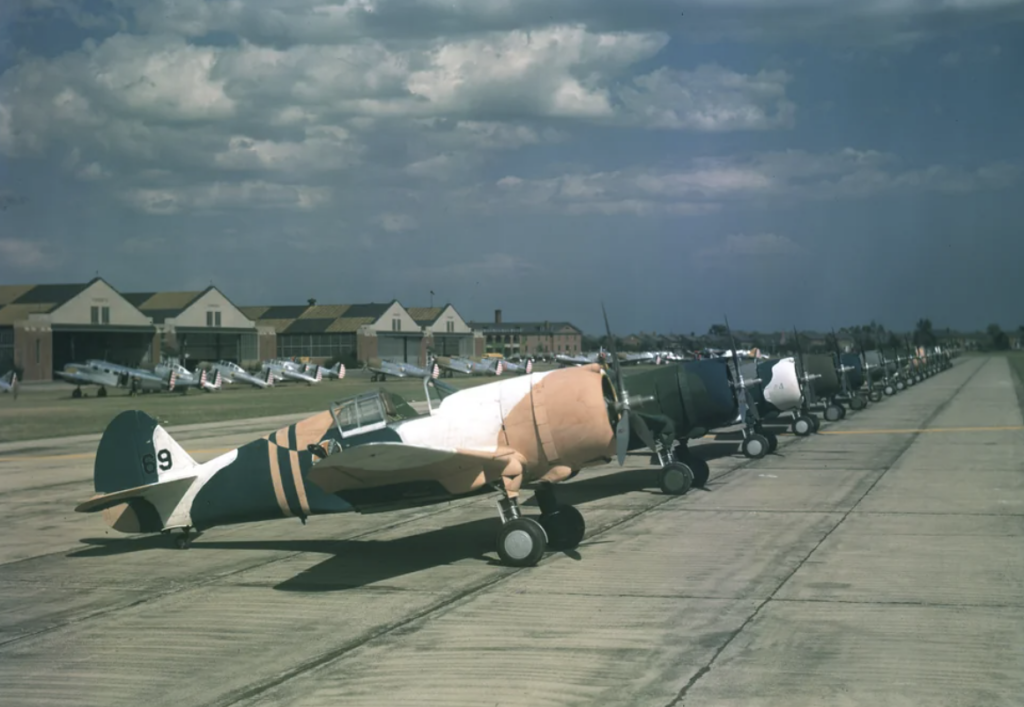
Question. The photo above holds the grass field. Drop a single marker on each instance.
(51, 412)
(1016, 360)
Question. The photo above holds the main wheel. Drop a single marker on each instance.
(101, 393)
(183, 542)
(699, 467)
(755, 446)
(900, 385)
(565, 528)
(875, 396)
(675, 479)
(773, 441)
(889, 390)
(815, 422)
(858, 402)
(802, 426)
(521, 542)
(833, 413)
(76, 393)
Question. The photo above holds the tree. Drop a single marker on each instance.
(923, 333)
(998, 339)
(718, 330)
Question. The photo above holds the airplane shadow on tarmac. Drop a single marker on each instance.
(359, 563)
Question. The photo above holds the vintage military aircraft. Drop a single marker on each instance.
(283, 369)
(104, 373)
(450, 365)
(518, 368)
(233, 373)
(372, 452)
(337, 371)
(382, 368)
(9, 384)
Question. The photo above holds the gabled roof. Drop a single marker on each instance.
(18, 301)
(164, 305)
(425, 316)
(317, 318)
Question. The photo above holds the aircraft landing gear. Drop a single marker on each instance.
(835, 412)
(76, 393)
(889, 390)
(101, 393)
(521, 541)
(875, 396)
(698, 467)
(858, 402)
(563, 524)
(804, 425)
(183, 540)
(754, 446)
(675, 478)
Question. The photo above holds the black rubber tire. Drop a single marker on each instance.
(521, 542)
(890, 391)
(875, 396)
(833, 413)
(565, 528)
(773, 441)
(858, 402)
(816, 421)
(675, 479)
(754, 447)
(802, 426)
(101, 393)
(699, 467)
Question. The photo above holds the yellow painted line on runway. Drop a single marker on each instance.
(920, 431)
(91, 455)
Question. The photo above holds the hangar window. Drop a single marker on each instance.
(209, 319)
(216, 318)
(106, 315)
(450, 326)
(95, 315)
(396, 325)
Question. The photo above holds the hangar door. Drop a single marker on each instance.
(402, 349)
(208, 346)
(453, 345)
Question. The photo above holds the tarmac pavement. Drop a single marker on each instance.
(877, 563)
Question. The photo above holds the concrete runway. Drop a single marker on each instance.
(873, 564)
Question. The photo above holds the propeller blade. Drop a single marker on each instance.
(619, 383)
(622, 439)
(642, 430)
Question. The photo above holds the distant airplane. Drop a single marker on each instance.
(233, 373)
(103, 374)
(337, 371)
(382, 368)
(9, 384)
(282, 369)
(469, 367)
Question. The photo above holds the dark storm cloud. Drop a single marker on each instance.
(786, 162)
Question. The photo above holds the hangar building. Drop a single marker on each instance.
(349, 332)
(200, 326)
(44, 327)
(445, 332)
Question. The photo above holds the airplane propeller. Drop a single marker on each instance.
(741, 384)
(624, 405)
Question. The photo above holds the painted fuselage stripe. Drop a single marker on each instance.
(275, 478)
(300, 486)
(287, 481)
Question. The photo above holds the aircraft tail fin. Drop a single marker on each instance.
(136, 451)
(269, 377)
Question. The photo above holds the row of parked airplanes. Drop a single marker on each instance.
(170, 375)
(373, 452)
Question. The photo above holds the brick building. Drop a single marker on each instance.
(528, 338)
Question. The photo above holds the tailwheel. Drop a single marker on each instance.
(834, 413)
(565, 528)
(875, 396)
(858, 402)
(802, 426)
(675, 478)
(521, 542)
(755, 446)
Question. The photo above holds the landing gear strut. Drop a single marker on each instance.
(183, 540)
(521, 541)
(698, 467)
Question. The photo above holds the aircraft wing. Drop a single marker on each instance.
(365, 464)
(76, 377)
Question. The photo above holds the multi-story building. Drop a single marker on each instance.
(528, 338)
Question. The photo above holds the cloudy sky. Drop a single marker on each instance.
(786, 162)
